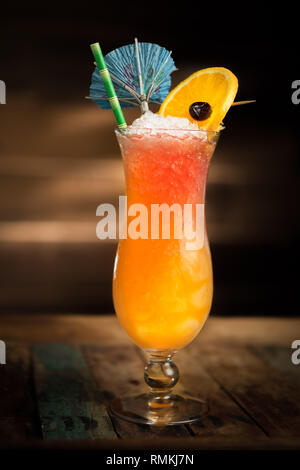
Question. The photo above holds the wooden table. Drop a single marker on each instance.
(62, 371)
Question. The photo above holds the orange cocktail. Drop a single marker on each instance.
(162, 285)
(163, 290)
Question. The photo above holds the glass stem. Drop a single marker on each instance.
(161, 375)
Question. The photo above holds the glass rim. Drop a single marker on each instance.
(206, 131)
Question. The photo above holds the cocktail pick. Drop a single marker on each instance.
(238, 103)
(140, 73)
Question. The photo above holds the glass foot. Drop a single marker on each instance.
(142, 409)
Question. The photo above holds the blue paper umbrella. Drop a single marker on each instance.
(140, 73)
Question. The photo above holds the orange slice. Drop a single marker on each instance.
(216, 86)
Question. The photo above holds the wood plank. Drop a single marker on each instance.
(197, 444)
(266, 396)
(56, 328)
(225, 419)
(69, 405)
(279, 358)
(119, 371)
(105, 329)
(18, 413)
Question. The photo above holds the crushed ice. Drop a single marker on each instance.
(176, 126)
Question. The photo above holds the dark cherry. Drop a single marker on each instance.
(200, 110)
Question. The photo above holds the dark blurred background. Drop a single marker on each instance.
(59, 158)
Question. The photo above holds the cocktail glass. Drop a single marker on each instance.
(163, 286)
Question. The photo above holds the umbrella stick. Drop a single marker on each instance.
(144, 104)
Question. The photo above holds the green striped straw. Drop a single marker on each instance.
(109, 87)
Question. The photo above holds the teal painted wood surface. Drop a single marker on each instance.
(68, 402)
(18, 413)
(248, 378)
